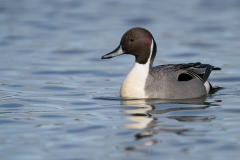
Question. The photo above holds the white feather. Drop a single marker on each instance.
(134, 84)
(207, 86)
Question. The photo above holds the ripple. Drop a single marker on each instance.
(66, 146)
(11, 105)
(210, 29)
(16, 37)
(200, 44)
(16, 85)
(139, 21)
(72, 51)
(192, 118)
(108, 98)
(85, 129)
(57, 88)
(82, 103)
(4, 43)
(183, 55)
(151, 101)
(236, 111)
(45, 26)
(34, 100)
(4, 121)
(226, 79)
(52, 116)
(62, 72)
(72, 94)
(72, 72)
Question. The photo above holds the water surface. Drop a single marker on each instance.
(59, 100)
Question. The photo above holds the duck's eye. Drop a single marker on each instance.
(131, 40)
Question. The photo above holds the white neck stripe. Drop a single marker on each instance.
(151, 50)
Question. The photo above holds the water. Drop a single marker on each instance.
(59, 100)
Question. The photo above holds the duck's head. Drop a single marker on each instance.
(138, 42)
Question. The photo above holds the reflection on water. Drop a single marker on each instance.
(149, 117)
(146, 117)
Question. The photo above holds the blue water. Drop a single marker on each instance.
(59, 100)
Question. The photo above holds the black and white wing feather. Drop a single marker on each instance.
(189, 71)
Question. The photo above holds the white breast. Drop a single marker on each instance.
(134, 84)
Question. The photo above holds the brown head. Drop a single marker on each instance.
(137, 42)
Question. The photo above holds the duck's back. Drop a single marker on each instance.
(178, 81)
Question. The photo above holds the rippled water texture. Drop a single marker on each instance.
(59, 100)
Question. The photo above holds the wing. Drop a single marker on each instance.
(186, 72)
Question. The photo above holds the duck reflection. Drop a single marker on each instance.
(145, 116)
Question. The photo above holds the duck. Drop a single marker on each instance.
(168, 81)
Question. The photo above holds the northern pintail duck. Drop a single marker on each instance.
(171, 81)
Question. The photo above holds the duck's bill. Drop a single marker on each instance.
(117, 52)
